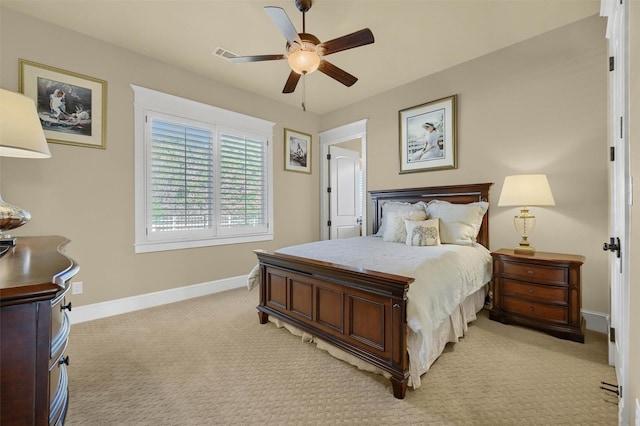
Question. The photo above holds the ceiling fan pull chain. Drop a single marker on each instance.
(304, 91)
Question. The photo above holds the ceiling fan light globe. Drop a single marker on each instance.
(303, 61)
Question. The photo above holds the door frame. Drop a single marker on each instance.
(620, 184)
(347, 132)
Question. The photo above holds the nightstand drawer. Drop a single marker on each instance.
(535, 310)
(531, 291)
(543, 274)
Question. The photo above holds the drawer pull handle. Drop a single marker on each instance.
(530, 272)
(64, 360)
(67, 306)
(396, 306)
(531, 308)
(530, 290)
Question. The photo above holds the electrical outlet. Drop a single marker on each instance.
(76, 288)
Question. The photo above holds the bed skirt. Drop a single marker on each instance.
(450, 330)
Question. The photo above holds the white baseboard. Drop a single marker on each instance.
(596, 321)
(129, 304)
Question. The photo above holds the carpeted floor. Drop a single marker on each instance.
(208, 361)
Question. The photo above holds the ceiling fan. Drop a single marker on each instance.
(304, 51)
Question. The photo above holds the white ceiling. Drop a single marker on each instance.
(413, 38)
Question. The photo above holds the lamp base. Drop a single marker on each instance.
(11, 217)
(522, 249)
(6, 243)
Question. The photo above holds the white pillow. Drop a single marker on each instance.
(396, 230)
(459, 223)
(401, 207)
(423, 233)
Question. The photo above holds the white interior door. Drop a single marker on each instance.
(620, 199)
(344, 167)
(356, 131)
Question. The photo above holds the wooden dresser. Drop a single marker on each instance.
(540, 290)
(34, 280)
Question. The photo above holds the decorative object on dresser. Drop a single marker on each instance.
(20, 136)
(34, 280)
(540, 290)
(525, 191)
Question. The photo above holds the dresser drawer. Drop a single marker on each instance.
(531, 272)
(535, 310)
(60, 339)
(534, 292)
(58, 390)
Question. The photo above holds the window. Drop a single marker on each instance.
(203, 174)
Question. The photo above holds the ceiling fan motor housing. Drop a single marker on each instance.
(303, 5)
(309, 42)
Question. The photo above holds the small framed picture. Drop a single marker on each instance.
(428, 136)
(297, 151)
(72, 107)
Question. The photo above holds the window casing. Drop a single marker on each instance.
(203, 174)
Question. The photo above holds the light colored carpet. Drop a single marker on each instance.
(208, 361)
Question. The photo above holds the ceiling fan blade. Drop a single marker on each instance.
(292, 82)
(282, 21)
(349, 41)
(257, 58)
(337, 73)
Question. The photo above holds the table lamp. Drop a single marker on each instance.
(21, 135)
(525, 191)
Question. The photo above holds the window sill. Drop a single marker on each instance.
(180, 245)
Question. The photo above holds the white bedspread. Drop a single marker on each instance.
(444, 275)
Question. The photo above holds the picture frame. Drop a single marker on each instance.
(297, 151)
(428, 136)
(72, 107)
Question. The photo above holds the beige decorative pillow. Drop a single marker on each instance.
(423, 233)
(459, 223)
(402, 208)
(395, 229)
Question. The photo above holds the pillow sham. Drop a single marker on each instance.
(395, 229)
(400, 207)
(459, 223)
(422, 233)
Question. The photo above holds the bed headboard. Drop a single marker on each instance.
(461, 194)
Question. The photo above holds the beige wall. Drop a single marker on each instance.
(634, 291)
(538, 106)
(88, 194)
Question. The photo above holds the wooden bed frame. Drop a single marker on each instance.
(360, 311)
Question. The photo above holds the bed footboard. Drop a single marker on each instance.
(359, 311)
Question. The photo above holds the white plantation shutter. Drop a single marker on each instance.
(243, 184)
(203, 174)
(181, 177)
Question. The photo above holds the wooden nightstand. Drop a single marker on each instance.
(540, 290)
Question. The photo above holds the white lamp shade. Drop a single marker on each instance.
(21, 133)
(526, 190)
